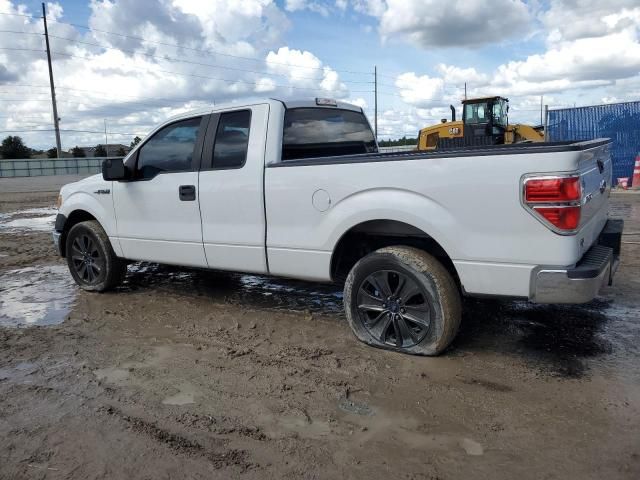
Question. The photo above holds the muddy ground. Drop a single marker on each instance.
(188, 374)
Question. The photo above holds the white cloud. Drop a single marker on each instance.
(360, 102)
(458, 75)
(305, 71)
(300, 5)
(137, 83)
(455, 23)
(375, 8)
(567, 20)
(420, 91)
(586, 62)
(265, 85)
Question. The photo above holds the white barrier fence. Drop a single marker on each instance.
(36, 167)
(398, 148)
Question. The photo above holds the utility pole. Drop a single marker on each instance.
(106, 141)
(541, 108)
(375, 100)
(546, 123)
(465, 90)
(56, 125)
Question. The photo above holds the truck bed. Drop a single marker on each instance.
(471, 151)
(469, 200)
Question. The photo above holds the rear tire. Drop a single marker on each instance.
(403, 299)
(92, 262)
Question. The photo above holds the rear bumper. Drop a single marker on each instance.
(580, 284)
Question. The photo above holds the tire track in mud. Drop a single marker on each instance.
(181, 444)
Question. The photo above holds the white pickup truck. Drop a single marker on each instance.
(298, 189)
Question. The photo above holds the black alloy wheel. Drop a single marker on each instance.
(394, 308)
(86, 258)
(92, 262)
(404, 299)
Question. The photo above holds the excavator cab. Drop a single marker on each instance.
(485, 120)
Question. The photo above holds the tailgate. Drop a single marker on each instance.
(595, 170)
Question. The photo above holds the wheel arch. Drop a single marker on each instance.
(75, 217)
(80, 206)
(368, 236)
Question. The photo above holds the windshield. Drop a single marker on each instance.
(476, 112)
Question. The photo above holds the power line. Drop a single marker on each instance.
(172, 59)
(215, 78)
(169, 100)
(71, 130)
(195, 75)
(22, 49)
(18, 15)
(180, 60)
(22, 32)
(208, 52)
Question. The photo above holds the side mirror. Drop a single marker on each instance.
(114, 169)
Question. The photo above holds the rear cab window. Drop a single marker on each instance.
(324, 132)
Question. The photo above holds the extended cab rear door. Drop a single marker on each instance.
(232, 190)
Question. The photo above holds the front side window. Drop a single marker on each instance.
(323, 132)
(170, 149)
(232, 139)
(500, 113)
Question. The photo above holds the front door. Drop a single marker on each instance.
(157, 212)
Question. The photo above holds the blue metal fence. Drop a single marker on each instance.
(618, 121)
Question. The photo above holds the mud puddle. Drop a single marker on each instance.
(28, 220)
(253, 291)
(36, 296)
(559, 339)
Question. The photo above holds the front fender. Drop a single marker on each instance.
(101, 212)
(98, 205)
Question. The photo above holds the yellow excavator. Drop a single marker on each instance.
(484, 122)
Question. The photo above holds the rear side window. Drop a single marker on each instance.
(232, 139)
(170, 149)
(324, 132)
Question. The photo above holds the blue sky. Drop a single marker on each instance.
(194, 53)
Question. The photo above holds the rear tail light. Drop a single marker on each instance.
(555, 201)
(552, 189)
(564, 218)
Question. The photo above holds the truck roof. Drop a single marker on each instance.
(295, 103)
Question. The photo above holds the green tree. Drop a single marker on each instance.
(77, 152)
(136, 141)
(52, 152)
(100, 151)
(13, 147)
(121, 152)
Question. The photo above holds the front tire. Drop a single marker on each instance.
(92, 262)
(403, 299)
